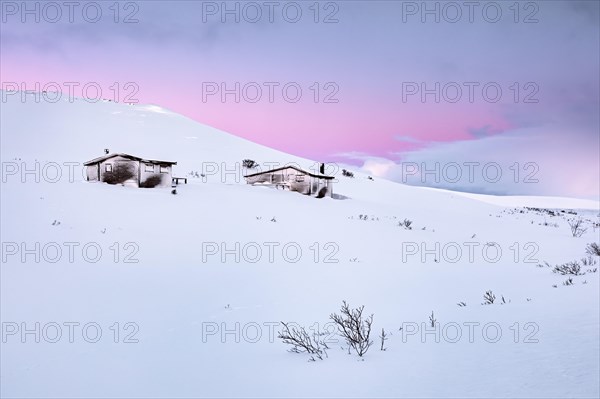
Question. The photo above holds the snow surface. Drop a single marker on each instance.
(175, 297)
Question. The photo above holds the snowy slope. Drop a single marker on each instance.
(180, 290)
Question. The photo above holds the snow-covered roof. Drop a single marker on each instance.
(132, 157)
(291, 167)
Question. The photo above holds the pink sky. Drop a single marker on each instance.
(170, 54)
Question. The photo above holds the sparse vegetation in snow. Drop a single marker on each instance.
(354, 327)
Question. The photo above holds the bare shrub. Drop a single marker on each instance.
(572, 268)
(120, 173)
(249, 164)
(347, 173)
(302, 341)
(547, 224)
(488, 298)
(355, 328)
(383, 337)
(577, 228)
(588, 261)
(196, 174)
(592, 249)
(568, 281)
(406, 223)
(432, 320)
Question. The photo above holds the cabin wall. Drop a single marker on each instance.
(91, 172)
(280, 176)
(121, 168)
(155, 172)
(327, 186)
(303, 183)
(265, 178)
(298, 181)
(316, 185)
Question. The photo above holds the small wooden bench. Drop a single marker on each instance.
(176, 180)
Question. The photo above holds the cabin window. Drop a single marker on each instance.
(149, 167)
(164, 169)
(299, 178)
(108, 167)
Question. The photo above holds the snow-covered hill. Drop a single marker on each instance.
(205, 277)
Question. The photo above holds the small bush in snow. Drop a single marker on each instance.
(547, 224)
(589, 261)
(249, 164)
(593, 249)
(568, 281)
(432, 320)
(577, 228)
(572, 268)
(347, 173)
(383, 337)
(196, 174)
(302, 341)
(406, 223)
(355, 328)
(488, 298)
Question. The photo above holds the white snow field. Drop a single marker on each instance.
(222, 263)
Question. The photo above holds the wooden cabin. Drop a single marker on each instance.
(294, 179)
(130, 170)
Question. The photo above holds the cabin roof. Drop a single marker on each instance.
(291, 167)
(132, 157)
